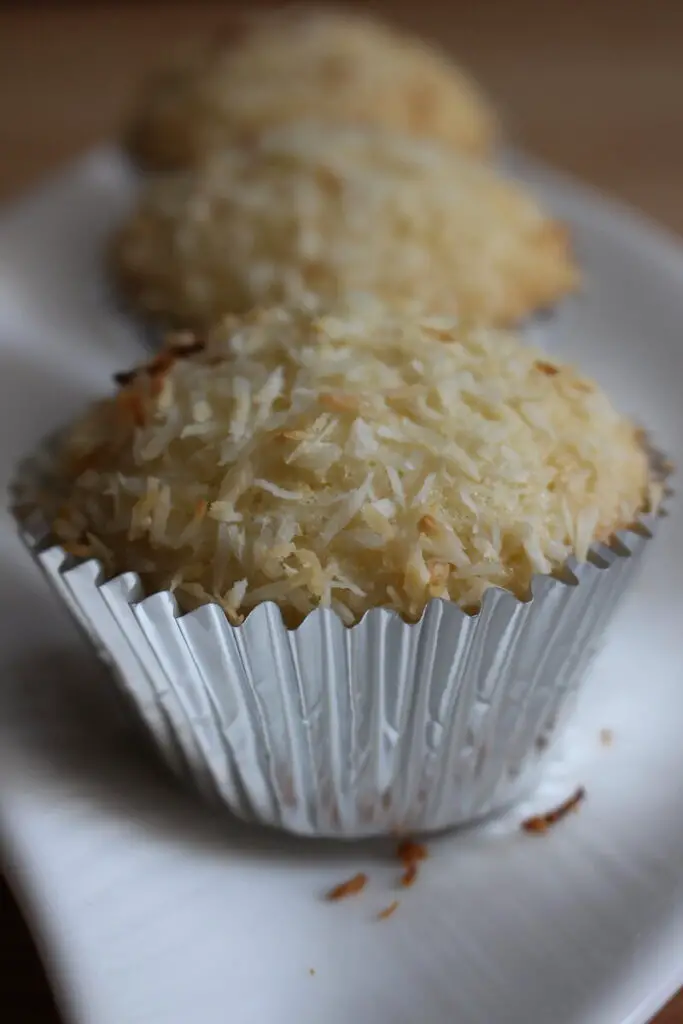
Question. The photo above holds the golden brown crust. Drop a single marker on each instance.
(316, 64)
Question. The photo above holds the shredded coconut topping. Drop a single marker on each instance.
(334, 468)
(317, 210)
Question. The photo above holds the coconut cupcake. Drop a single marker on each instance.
(320, 211)
(301, 64)
(396, 541)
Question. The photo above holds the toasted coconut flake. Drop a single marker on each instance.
(409, 876)
(547, 368)
(409, 851)
(388, 911)
(540, 823)
(349, 888)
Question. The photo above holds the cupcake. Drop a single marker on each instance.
(317, 211)
(301, 64)
(350, 566)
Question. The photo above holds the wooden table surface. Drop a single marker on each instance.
(595, 88)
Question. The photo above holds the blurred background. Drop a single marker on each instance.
(593, 87)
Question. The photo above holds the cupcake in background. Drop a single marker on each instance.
(306, 63)
(316, 211)
(396, 539)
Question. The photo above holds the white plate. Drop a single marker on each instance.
(148, 909)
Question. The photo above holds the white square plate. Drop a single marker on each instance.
(148, 909)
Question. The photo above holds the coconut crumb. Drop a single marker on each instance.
(540, 823)
(429, 525)
(388, 911)
(606, 737)
(409, 876)
(411, 854)
(349, 888)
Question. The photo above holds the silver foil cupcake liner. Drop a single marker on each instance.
(379, 728)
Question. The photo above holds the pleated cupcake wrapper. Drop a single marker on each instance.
(327, 730)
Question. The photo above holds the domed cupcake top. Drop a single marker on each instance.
(320, 210)
(356, 458)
